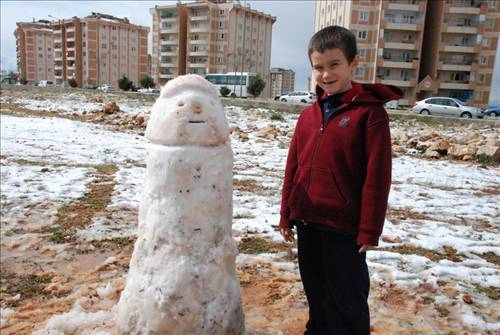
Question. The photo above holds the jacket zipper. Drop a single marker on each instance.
(321, 131)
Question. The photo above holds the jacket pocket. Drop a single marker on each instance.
(298, 192)
(323, 191)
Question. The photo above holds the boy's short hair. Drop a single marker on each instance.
(334, 37)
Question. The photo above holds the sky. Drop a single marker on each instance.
(291, 31)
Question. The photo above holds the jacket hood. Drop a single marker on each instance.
(367, 93)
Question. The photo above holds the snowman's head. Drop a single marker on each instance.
(188, 111)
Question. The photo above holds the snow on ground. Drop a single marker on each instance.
(450, 203)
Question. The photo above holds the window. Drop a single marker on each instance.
(483, 60)
(221, 36)
(220, 60)
(362, 53)
(481, 77)
(221, 24)
(360, 71)
(486, 42)
(221, 11)
(362, 35)
(220, 47)
(363, 16)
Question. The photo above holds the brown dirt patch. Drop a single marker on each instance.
(79, 213)
(248, 185)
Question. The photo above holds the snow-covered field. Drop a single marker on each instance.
(436, 271)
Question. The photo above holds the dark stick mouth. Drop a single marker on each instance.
(195, 121)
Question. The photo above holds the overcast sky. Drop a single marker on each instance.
(291, 31)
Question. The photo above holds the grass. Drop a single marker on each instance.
(117, 242)
(259, 245)
(490, 257)
(79, 213)
(247, 185)
(490, 291)
(441, 310)
(449, 252)
(27, 286)
(487, 160)
(276, 116)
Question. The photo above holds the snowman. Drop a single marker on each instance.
(182, 277)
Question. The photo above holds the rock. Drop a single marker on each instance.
(474, 136)
(431, 154)
(268, 132)
(44, 169)
(424, 145)
(427, 135)
(139, 120)
(489, 150)
(440, 146)
(459, 151)
(111, 108)
(467, 299)
(391, 239)
(468, 158)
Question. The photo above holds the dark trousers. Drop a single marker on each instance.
(336, 281)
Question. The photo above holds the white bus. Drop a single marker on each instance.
(236, 82)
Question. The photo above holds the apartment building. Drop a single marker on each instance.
(427, 48)
(96, 49)
(210, 37)
(34, 51)
(100, 49)
(282, 81)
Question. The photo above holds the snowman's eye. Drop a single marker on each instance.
(180, 103)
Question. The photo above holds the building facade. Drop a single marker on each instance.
(282, 81)
(456, 59)
(35, 51)
(97, 49)
(210, 37)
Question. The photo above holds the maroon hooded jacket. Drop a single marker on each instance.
(340, 175)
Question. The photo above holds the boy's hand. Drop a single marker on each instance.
(288, 234)
(365, 248)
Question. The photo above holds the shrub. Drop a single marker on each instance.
(256, 86)
(147, 82)
(72, 82)
(125, 84)
(224, 91)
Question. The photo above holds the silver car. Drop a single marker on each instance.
(298, 96)
(445, 106)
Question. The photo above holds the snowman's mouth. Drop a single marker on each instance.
(196, 121)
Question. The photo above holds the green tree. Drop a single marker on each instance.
(23, 81)
(256, 86)
(72, 82)
(147, 82)
(224, 91)
(125, 84)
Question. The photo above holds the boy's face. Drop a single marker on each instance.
(332, 71)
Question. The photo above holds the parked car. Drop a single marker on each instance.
(445, 106)
(106, 87)
(149, 90)
(45, 83)
(492, 111)
(298, 96)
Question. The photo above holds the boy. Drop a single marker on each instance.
(336, 186)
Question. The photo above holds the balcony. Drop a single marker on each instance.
(167, 75)
(402, 25)
(70, 29)
(57, 40)
(400, 45)
(455, 85)
(171, 28)
(199, 28)
(197, 65)
(463, 7)
(199, 16)
(460, 48)
(399, 82)
(203, 41)
(403, 6)
(460, 27)
(58, 67)
(399, 62)
(452, 65)
(198, 53)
